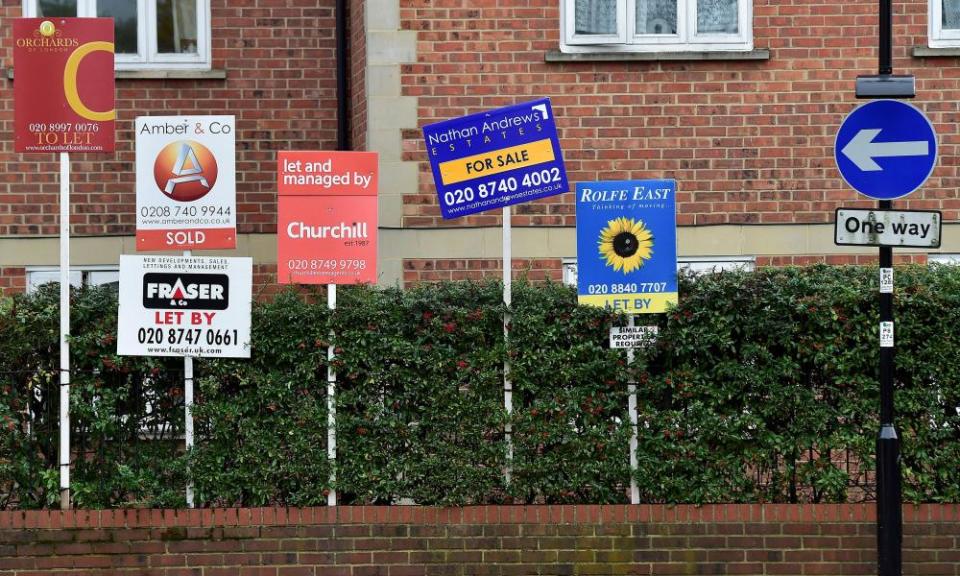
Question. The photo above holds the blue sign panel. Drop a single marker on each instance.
(495, 159)
(886, 149)
(627, 245)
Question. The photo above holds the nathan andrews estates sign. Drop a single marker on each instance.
(497, 158)
(326, 217)
(627, 245)
(64, 85)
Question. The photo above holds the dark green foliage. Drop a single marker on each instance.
(126, 413)
(420, 400)
(571, 429)
(261, 424)
(761, 387)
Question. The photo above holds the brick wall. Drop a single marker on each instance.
(838, 259)
(747, 141)
(515, 540)
(281, 86)
(13, 280)
(418, 270)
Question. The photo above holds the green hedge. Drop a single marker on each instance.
(762, 387)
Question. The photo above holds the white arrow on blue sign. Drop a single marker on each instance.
(886, 149)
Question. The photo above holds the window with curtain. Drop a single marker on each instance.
(944, 23)
(596, 16)
(950, 18)
(657, 25)
(177, 26)
(656, 16)
(148, 33)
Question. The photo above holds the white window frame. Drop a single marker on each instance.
(713, 264)
(937, 37)
(573, 38)
(148, 56)
(569, 271)
(79, 276)
(692, 264)
(627, 40)
(943, 258)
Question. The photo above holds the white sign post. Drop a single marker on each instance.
(633, 415)
(332, 402)
(507, 301)
(188, 410)
(630, 338)
(64, 330)
(186, 198)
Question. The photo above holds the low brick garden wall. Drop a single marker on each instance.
(494, 540)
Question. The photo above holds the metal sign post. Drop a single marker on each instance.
(634, 419)
(631, 338)
(64, 331)
(885, 150)
(507, 300)
(332, 403)
(889, 497)
(188, 410)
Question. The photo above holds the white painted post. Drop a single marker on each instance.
(332, 403)
(507, 299)
(188, 410)
(64, 331)
(632, 408)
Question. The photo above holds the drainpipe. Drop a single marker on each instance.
(343, 108)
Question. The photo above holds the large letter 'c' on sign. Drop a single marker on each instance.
(70, 81)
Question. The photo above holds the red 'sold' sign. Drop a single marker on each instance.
(63, 85)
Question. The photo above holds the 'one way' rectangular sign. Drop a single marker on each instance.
(896, 228)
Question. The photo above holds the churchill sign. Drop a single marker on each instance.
(327, 217)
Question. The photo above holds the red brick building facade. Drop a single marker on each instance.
(738, 101)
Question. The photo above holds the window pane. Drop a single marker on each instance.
(109, 278)
(656, 16)
(57, 8)
(124, 14)
(596, 17)
(37, 278)
(951, 14)
(717, 17)
(177, 26)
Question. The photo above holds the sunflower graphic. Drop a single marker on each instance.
(625, 244)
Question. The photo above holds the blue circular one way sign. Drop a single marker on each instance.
(886, 149)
